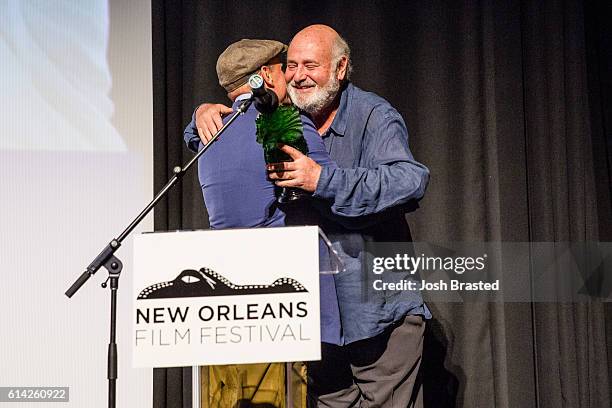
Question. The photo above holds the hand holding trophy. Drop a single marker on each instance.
(282, 126)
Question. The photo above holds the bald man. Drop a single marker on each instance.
(365, 200)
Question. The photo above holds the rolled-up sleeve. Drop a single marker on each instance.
(387, 173)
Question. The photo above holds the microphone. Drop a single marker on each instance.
(265, 100)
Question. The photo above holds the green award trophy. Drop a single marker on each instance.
(283, 126)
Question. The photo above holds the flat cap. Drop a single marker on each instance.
(243, 58)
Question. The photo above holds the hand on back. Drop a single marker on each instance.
(209, 119)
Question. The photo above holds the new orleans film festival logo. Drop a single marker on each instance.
(270, 318)
(206, 282)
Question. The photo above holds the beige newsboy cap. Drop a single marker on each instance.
(243, 58)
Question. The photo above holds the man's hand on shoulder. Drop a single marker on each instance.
(302, 172)
(209, 119)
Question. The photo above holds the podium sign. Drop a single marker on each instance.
(226, 297)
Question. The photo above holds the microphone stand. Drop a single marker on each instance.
(113, 265)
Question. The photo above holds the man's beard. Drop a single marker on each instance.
(321, 98)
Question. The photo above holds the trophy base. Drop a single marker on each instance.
(289, 194)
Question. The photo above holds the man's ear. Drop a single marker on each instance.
(266, 74)
(341, 68)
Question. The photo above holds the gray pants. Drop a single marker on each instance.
(378, 372)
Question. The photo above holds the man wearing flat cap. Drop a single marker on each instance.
(237, 193)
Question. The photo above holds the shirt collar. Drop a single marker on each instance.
(239, 99)
(242, 97)
(338, 125)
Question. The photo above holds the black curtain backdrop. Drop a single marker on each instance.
(509, 105)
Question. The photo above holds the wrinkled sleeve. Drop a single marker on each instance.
(190, 135)
(387, 175)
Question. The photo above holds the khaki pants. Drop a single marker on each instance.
(252, 385)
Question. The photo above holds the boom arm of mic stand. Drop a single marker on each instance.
(112, 247)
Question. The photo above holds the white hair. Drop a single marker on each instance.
(342, 49)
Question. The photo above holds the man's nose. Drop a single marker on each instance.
(300, 74)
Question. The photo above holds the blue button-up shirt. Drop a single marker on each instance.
(376, 182)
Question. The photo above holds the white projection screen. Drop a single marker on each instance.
(76, 156)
